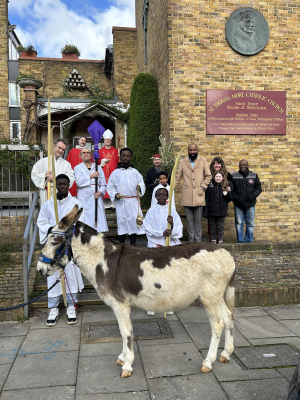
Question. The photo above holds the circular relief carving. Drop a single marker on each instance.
(247, 31)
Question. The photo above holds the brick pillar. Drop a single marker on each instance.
(28, 115)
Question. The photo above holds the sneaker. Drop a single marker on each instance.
(71, 313)
(169, 313)
(150, 313)
(52, 317)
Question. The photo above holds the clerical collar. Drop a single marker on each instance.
(120, 165)
(61, 196)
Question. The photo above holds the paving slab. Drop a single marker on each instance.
(261, 327)
(108, 315)
(103, 349)
(179, 333)
(201, 335)
(267, 356)
(4, 370)
(293, 341)
(48, 340)
(193, 315)
(287, 372)
(192, 387)
(47, 393)
(40, 322)
(102, 375)
(293, 325)
(141, 314)
(14, 328)
(9, 347)
(116, 396)
(32, 370)
(249, 312)
(266, 389)
(170, 359)
(284, 312)
(232, 371)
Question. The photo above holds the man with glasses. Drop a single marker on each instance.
(86, 179)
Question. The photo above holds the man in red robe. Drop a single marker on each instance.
(109, 159)
(75, 159)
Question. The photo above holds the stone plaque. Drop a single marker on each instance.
(247, 31)
(245, 112)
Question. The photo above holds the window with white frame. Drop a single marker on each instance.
(15, 131)
(14, 94)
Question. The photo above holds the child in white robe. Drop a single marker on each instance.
(156, 228)
(46, 221)
(163, 183)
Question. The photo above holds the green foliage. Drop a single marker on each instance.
(26, 48)
(95, 92)
(144, 125)
(5, 250)
(166, 150)
(26, 76)
(70, 49)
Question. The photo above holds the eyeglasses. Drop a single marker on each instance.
(86, 152)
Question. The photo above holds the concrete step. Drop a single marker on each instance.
(84, 299)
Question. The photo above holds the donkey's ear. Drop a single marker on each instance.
(70, 219)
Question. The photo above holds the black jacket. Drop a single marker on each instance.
(151, 178)
(216, 202)
(245, 189)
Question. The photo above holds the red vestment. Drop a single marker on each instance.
(109, 167)
(74, 159)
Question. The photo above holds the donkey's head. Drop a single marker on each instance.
(57, 250)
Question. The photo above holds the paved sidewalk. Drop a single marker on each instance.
(69, 362)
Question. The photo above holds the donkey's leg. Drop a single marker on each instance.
(127, 356)
(217, 326)
(228, 319)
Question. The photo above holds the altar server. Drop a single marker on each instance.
(85, 174)
(46, 221)
(122, 188)
(41, 176)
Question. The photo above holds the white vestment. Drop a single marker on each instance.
(85, 194)
(160, 186)
(124, 182)
(45, 220)
(156, 222)
(38, 175)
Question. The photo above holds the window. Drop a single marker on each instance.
(15, 131)
(14, 94)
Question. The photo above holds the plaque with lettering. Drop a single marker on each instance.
(245, 112)
(247, 31)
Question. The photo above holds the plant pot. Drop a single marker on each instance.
(23, 82)
(69, 56)
(28, 53)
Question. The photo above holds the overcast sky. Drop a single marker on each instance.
(49, 24)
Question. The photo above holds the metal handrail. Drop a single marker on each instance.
(27, 259)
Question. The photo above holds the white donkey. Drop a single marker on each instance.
(167, 278)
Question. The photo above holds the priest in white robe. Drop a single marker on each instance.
(46, 221)
(40, 174)
(156, 221)
(85, 174)
(123, 185)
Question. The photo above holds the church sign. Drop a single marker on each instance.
(245, 112)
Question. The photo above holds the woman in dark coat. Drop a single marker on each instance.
(217, 197)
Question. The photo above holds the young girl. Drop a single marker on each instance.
(217, 197)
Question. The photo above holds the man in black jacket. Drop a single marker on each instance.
(152, 173)
(246, 187)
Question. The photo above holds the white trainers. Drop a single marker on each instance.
(71, 313)
(150, 313)
(169, 313)
(52, 317)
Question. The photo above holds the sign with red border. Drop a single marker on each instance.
(245, 112)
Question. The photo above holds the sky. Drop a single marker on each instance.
(50, 24)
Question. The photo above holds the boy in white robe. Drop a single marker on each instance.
(85, 174)
(156, 225)
(46, 221)
(163, 183)
(41, 176)
(123, 185)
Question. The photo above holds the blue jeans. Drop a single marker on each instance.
(246, 216)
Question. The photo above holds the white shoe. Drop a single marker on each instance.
(169, 313)
(71, 313)
(150, 313)
(52, 317)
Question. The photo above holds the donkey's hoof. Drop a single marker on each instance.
(223, 359)
(120, 363)
(126, 374)
(204, 369)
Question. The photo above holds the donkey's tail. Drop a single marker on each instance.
(230, 293)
